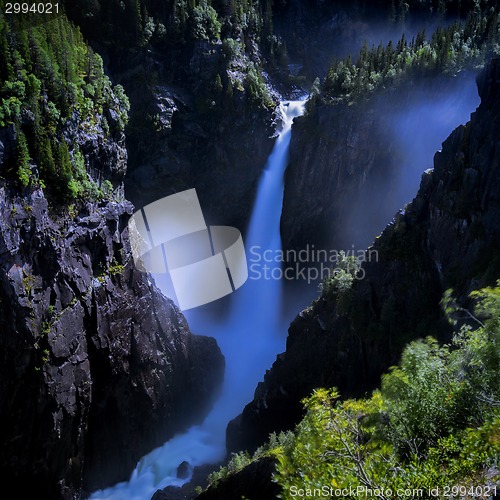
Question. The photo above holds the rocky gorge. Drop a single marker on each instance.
(446, 238)
(98, 366)
(122, 103)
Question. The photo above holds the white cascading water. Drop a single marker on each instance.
(250, 338)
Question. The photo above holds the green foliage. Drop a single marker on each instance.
(243, 26)
(256, 87)
(335, 446)
(218, 83)
(238, 73)
(434, 423)
(28, 281)
(449, 50)
(81, 185)
(339, 281)
(275, 446)
(13, 94)
(135, 23)
(232, 49)
(204, 23)
(124, 106)
(23, 160)
(53, 77)
(238, 461)
(116, 268)
(51, 311)
(425, 398)
(107, 188)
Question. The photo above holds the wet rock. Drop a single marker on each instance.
(448, 237)
(254, 481)
(8, 140)
(184, 470)
(97, 367)
(188, 491)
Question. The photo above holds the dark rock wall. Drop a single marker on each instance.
(340, 155)
(221, 154)
(97, 367)
(183, 134)
(352, 166)
(448, 237)
(253, 481)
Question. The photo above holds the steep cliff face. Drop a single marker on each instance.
(221, 153)
(334, 164)
(353, 165)
(187, 132)
(97, 367)
(202, 116)
(448, 237)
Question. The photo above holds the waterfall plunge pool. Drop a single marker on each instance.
(250, 337)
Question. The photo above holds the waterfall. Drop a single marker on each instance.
(250, 338)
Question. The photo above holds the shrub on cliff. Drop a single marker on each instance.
(339, 281)
(53, 87)
(435, 422)
(204, 23)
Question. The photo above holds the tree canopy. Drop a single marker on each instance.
(434, 423)
(52, 81)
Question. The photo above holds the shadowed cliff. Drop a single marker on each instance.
(448, 237)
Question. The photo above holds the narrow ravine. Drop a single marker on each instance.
(250, 337)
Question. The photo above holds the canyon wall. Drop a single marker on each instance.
(447, 237)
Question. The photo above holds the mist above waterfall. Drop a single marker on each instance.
(318, 33)
(415, 128)
(353, 167)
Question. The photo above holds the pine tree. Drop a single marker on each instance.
(6, 70)
(420, 38)
(218, 84)
(23, 158)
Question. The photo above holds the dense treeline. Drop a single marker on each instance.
(449, 50)
(170, 21)
(140, 21)
(136, 23)
(52, 82)
(434, 423)
(397, 10)
(226, 36)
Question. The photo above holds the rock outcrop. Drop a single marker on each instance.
(353, 165)
(97, 367)
(253, 481)
(195, 136)
(448, 237)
